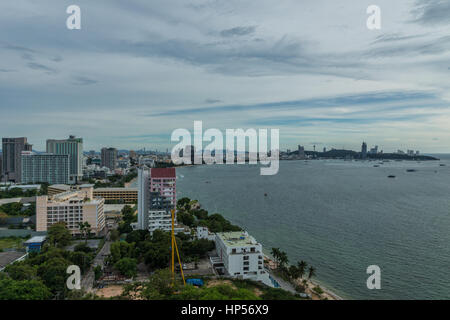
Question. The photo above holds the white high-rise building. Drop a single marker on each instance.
(74, 148)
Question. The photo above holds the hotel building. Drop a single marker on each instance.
(242, 256)
(71, 207)
(74, 148)
(12, 156)
(50, 168)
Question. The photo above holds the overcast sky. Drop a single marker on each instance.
(138, 69)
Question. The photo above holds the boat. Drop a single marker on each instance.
(391, 176)
(376, 166)
(265, 194)
(411, 170)
(442, 165)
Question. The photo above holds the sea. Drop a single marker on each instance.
(342, 217)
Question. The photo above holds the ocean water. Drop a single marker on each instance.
(341, 217)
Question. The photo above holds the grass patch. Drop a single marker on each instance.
(11, 243)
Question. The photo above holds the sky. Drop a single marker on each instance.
(139, 69)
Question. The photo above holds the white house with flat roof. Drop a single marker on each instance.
(242, 256)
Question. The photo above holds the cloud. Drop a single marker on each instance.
(238, 31)
(432, 12)
(83, 81)
(41, 67)
(212, 101)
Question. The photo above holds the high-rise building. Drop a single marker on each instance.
(109, 158)
(364, 150)
(50, 168)
(72, 208)
(11, 154)
(301, 152)
(74, 148)
(156, 198)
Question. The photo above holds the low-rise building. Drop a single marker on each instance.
(71, 207)
(204, 233)
(242, 256)
(121, 195)
(35, 243)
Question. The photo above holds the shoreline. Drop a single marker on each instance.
(310, 285)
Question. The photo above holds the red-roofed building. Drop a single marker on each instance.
(163, 180)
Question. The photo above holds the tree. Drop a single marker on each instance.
(301, 266)
(275, 252)
(115, 235)
(120, 250)
(311, 272)
(127, 267)
(85, 229)
(294, 272)
(23, 290)
(53, 273)
(20, 271)
(59, 235)
(98, 272)
(186, 218)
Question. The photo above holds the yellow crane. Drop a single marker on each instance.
(175, 247)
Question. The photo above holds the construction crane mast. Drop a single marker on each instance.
(175, 247)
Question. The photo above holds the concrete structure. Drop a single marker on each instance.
(57, 188)
(109, 158)
(204, 233)
(71, 207)
(74, 148)
(156, 198)
(12, 156)
(122, 195)
(242, 256)
(50, 168)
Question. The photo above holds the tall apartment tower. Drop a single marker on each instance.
(11, 158)
(156, 197)
(364, 150)
(50, 168)
(74, 148)
(109, 158)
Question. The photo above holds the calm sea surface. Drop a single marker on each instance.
(341, 217)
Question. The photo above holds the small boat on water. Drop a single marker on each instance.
(265, 194)
(442, 165)
(411, 170)
(376, 166)
(391, 176)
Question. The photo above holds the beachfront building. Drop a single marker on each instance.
(49, 168)
(241, 256)
(156, 198)
(71, 207)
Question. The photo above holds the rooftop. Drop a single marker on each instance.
(36, 239)
(163, 173)
(116, 189)
(237, 239)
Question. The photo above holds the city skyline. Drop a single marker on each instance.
(135, 73)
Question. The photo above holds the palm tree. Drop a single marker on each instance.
(311, 272)
(301, 268)
(276, 255)
(283, 258)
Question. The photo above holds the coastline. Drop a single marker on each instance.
(310, 284)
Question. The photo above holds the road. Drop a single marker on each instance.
(87, 281)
